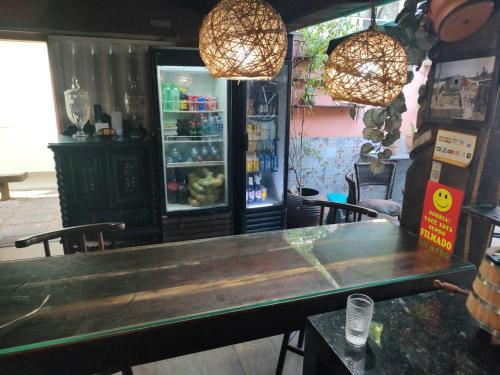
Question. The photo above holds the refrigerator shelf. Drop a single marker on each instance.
(170, 140)
(262, 118)
(188, 112)
(188, 164)
(267, 203)
(260, 172)
(187, 207)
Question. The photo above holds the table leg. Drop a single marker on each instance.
(4, 191)
(319, 359)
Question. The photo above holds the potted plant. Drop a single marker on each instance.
(299, 215)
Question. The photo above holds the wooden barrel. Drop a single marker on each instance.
(484, 301)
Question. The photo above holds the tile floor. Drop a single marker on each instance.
(34, 208)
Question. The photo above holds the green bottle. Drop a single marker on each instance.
(174, 98)
(165, 93)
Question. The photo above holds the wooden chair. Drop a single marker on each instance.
(79, 232)
(67, 235)
(352, 213)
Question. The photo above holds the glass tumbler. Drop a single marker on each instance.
(359, 314)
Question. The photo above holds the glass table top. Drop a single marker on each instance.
(103, 293)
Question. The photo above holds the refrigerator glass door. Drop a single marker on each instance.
(194, 133)
(266, 105)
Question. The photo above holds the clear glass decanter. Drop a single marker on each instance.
(77, 107)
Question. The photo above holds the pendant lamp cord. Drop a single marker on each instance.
(373, 23)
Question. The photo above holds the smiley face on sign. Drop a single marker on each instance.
(442, 200)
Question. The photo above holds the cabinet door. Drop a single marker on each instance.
(83, 172)
(129, 178)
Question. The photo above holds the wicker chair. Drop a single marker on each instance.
(365, 179)
(352, 213)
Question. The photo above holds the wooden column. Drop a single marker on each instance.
(480, 181)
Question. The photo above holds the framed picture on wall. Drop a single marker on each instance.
(461, 89)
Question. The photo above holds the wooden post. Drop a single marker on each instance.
(480, 181)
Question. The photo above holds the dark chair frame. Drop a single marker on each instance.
(353, 213)
(71, 232)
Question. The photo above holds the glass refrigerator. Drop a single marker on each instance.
(193, 119)
(265, 130)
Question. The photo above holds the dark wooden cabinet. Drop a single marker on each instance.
(102, 181)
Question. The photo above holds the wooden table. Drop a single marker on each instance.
(109, 310)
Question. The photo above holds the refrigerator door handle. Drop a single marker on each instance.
(245, 141)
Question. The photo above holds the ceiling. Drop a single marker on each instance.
(296, 13)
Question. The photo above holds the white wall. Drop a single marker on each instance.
(27, 114)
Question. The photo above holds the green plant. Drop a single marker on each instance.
(414, 32)
(313, 42)
(300, 148)
(307, 67)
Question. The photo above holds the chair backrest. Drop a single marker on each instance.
(365, 177)
(352, 197)
(80, 232)
(352, 212)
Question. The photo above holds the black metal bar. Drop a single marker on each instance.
(282, 356)
(46, 248)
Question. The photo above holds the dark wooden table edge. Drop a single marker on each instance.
(111, 353)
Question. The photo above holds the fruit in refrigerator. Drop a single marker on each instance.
(205, 187)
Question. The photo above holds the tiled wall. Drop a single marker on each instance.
(338, 155)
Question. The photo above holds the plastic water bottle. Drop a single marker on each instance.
(174, 100)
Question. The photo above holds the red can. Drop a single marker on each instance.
(193, 102)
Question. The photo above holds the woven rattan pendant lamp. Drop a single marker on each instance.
(368, 68)
(243, 40)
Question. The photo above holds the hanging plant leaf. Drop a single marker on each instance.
(399, 104)
(366, 148)
(384, 155)
(377, 167)
(352, 112)
(367, 119)
(393, 123)
(373, 134)
(378, 116)
(409, 76)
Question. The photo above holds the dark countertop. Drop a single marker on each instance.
(66, 140)
(429, 333)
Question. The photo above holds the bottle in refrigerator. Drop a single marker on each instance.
(172, 187)
(251, 190)
(205, 156)
(176, 155)
(183, 97)
(262, 163)
(256, 164)
(182, 190)
(214, 153)
(165, 93)
(174, 104)
(268, 167)
(274, 158)
(264, 193)
(257, 188)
